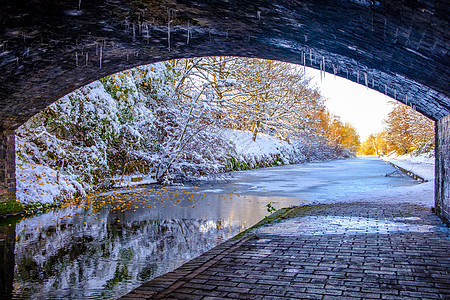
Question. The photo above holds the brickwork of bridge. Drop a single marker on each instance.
(50, 48)
(442, 177)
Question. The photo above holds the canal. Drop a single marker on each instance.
(115, 241)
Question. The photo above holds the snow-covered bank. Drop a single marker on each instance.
(421, 165)
(38, 183)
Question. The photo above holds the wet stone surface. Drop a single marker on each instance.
(340, 251)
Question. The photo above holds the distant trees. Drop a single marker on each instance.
(343, 135)
(406, 131)
(375, 144)
(338, 134)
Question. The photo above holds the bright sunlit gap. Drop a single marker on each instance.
(362, 107)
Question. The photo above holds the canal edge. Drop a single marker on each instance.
(411, 174)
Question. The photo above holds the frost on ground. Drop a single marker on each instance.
(421, 165)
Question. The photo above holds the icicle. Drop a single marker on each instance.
(101, 56)
(406, 99)
(127, 27)
(76, 59)
(168, 31)
(189, 32)
(320, 71)
(258, 15)
(373, 82)
(347, 73)
(365, 80)
(87, 58)
(17, 60)
(323, 66)
(96, 48)
(134, 33)
(79, 4)
(385, 89)
(304, 62)
(310, 57)
(395, 94)
(357, 76)
(306, 38)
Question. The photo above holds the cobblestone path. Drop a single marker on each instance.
(339, 251)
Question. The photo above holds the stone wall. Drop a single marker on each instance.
(442, 190)
(7, 166)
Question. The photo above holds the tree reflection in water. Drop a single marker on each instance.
(72, 259)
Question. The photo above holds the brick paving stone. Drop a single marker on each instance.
(370, 264)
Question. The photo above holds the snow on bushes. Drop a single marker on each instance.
(140, 122)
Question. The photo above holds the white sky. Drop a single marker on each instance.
(364, 108)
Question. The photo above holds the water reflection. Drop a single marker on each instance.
(100, 261)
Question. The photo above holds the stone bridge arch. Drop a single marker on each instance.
(50, 48)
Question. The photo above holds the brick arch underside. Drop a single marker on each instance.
(49, 49)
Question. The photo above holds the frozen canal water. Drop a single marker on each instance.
(103, 251)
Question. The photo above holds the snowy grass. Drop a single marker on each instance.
(42, 184)
(263, 145)
(421, 165)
